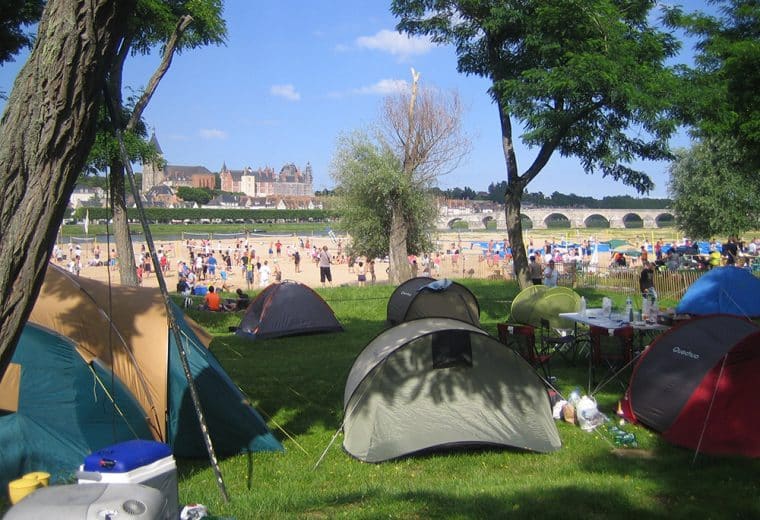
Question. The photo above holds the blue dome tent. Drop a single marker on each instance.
(723, 290)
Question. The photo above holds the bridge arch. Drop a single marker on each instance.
(665, 219)
(557, 220)
(632, 220)
(596, 220)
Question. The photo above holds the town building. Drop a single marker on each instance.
(263, 182)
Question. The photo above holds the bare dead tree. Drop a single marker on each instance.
(423, 127)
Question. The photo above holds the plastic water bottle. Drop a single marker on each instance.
(583, 306)
(629, 309)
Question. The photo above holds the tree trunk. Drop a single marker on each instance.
(124, 247)
(399, 268)
(46, 133)
(513, 203)
(513, 199)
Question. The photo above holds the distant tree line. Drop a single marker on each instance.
(497, 191)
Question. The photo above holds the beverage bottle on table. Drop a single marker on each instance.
(629, 309)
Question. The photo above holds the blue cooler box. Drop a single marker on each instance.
(143, 462)
(200, 290)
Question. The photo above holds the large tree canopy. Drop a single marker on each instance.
(585, 78)
(709, 197)
(725, 95)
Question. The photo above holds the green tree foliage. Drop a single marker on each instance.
(725, 97)
(106, 150)
(585, 78)
(709, 197)
(371, 178)
(200, 195)
(174, 26)
(15, 15)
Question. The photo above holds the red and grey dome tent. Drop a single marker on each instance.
(287, 309)
(425, 297)
(696, 385)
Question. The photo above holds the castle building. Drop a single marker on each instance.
(174, 175)
(263, 182)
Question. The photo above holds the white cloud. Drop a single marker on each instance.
(383, 87)
(285, 91)
(395, 43)
(212, 133)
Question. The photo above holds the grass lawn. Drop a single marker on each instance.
(297, 384)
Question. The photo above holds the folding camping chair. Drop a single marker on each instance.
(552, 342)
(522, 339)
(611, 350)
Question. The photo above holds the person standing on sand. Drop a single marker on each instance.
(324, 262)
(264, 272)
(297, 260)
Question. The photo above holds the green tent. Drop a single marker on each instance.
(524, 305)
(540, 302)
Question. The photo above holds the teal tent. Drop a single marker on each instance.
(60, 407)
(116, 341)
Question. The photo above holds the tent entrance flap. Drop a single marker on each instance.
(451, 349)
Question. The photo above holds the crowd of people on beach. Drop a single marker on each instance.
(248, 263)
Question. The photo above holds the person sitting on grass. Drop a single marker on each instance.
(240, 304)
(212, 301)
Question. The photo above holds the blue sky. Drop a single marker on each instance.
(294, 75)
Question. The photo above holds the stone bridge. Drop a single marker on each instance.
(579, 218)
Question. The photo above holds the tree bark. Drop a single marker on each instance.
(122, 238)
(513, 203)
(513, 200)
(399, 269)
(46, 134)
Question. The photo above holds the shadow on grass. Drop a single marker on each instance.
(562, 502)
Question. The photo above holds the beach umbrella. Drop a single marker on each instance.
(627, 250)
(617, 242)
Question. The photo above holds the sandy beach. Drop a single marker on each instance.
(471, 262)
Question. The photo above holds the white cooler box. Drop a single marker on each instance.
(143, 462)
(94, 502)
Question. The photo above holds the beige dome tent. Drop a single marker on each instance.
(437, 383)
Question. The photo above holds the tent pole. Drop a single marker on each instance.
(167, 301)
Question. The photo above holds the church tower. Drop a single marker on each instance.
(153, 174)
